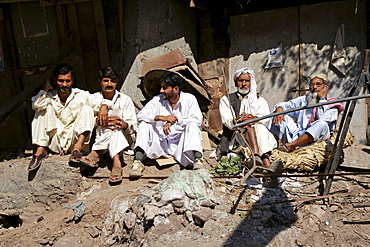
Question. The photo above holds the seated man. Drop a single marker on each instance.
(169, 126)
(242, 106)
(64, 117)
(314, 124)
(115, 134)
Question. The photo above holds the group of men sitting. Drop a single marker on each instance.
(66, 117)
(169, 123)
(282, 131)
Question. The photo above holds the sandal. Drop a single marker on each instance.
(115, 175)
(90, 160)
(283, 148)
(75, 156)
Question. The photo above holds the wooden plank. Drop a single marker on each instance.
(74, 26)
(101, 33)
(61, 24)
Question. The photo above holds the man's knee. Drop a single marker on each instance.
(319, 130)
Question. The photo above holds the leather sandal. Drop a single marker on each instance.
(75, 156)
(115, 175)
(90, 160)
(283, 148)
(36, 161)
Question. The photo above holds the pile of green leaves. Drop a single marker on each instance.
(227, 166)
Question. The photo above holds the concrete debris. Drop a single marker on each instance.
(187, 193)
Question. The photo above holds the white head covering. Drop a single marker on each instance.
(252, 105)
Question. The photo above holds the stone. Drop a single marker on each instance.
(166, 210)
(334, 208)
(317, 211)
(93, 231)
(208, 203)
(69, 241)
(202, 216)
(160, 220)
(151, 211)
(145, 197)
(178, 203)
(130, 220)
(161, 229)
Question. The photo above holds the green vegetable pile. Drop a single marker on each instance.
(229, 165)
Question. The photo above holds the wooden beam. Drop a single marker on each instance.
(74, 26)
(101, 33)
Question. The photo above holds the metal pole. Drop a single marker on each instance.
(300, 109)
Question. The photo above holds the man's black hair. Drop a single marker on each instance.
(63, 69)
(108, 72)
(172, 79)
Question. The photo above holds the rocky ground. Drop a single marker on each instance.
(62, 205)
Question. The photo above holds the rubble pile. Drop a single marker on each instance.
(186, 197)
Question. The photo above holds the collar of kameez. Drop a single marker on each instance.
(241, 96)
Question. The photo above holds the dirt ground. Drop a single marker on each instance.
(34, 209)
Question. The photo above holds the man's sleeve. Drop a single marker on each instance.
(148, 113)
(40, 101)
(195, 115)
(326, 113)
(129, 115)
(290, 104)
(262, 110)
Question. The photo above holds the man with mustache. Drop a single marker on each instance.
(169, 127)
(314, 124)
(241, 106)
(64, 117)
(115, 134)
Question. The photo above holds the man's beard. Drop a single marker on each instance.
(64, 90)
(167, 96)
(243, 91)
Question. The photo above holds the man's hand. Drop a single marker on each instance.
(48, 85)
(170, 120)
(244, 117)
(279, 118)
(103, 115)
(166, 128)
(116, 122)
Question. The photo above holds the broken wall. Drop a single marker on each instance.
(151, 30)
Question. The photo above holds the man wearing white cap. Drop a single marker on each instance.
(314, 124)
(242, 106)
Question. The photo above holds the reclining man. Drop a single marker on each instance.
(169, 126)
(242, 106)
(64, 117)
(115, 134)
(312, 124)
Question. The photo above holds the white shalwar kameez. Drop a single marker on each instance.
(185, 135)
(116, 140)
(319, 129)
(265, 139)
(58, 126)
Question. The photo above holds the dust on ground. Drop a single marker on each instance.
(40, 210)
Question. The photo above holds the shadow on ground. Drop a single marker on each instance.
(264, 220)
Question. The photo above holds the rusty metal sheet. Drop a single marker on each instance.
(165, 61)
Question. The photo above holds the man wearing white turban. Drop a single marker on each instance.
(242, 106)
